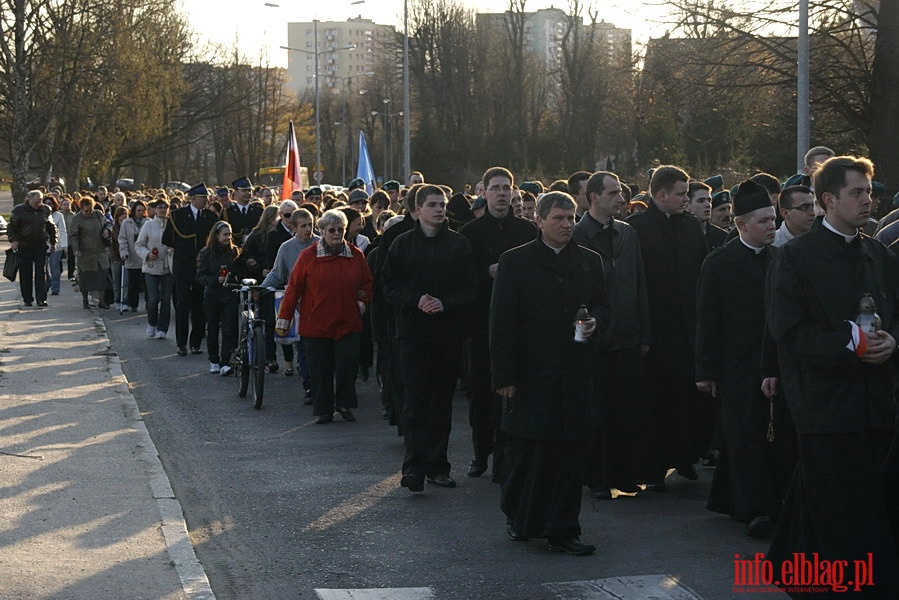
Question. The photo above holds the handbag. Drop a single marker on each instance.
(293, 335)
(11, 266)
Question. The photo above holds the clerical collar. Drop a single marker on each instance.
(847, 238)
(751, 247)
(557, 251)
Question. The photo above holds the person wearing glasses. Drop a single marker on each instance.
(332, 284)
(491, 234)
(277, 231)
(797, 208)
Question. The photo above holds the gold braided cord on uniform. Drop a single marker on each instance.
(178, 231)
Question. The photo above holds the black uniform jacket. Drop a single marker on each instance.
(536, 296)
(187, 236)
(814, 288)
(242, 224)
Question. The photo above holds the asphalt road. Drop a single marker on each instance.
(279, 507)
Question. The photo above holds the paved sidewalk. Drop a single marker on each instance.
(86, 511)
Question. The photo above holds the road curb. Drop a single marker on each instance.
(194, 581)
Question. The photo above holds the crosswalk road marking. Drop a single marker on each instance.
(421, 593)
(643, 587)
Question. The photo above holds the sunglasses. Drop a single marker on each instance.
(286, 215)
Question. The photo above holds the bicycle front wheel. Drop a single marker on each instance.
(258, 367)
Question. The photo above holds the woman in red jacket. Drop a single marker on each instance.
(332, 284)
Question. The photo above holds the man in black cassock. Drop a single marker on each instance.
(837, 379)
(544, 376)
(729, 336)
(673, 248)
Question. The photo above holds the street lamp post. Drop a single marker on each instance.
(407, 151)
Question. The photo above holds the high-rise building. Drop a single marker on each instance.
(345, 49)
(544, 35)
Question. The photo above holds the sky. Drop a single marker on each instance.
(260, 28)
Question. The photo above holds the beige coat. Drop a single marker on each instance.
(86, 238)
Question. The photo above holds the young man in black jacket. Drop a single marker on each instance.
(429, 280)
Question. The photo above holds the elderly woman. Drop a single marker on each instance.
(332, 283)
(89, 240)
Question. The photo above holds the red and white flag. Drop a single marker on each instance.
(292, 180)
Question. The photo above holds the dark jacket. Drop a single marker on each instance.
(32, 227)
(625, 283)
(210, 262)
(490, 238)
(815, 285)
(729, 336)
(257, 249)
(276, 237)
(673, 250)
(187, 236)
(536, 296)
(440, 266)
(242, 224)
(715, 237)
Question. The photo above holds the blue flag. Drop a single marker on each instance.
(365, 171)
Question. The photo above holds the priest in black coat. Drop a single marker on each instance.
(544, 376)
(729, 336)
(837, 376)
(673, 248)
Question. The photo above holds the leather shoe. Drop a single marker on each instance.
(442, 481)
(307, 400)
(629, 489)
(688, 472)
(572, 547)
(759, 527)
(413, 482)
(195, 350)
(182, 351)
(324, 419)
(347, 414)
(514, 535)
(476, 468)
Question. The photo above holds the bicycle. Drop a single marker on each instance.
(249, 359)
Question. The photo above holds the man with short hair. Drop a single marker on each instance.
(543, 371)
(836, 372)
(186, 232)
(797, 208)
(242, 214)
(528, 206)
(392, 189)
(491, 234)
(314, 195)
(577, 187)
(429, 280)
(721, 215)
(416, 177)
(612, 460)
(673, 249)
(31, 232)
(729, 337)
(700, 206)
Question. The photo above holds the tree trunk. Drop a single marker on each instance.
(884, 122)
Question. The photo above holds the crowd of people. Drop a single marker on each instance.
(605, 336)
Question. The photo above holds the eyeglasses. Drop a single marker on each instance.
(286, 215)
(500, 188)
(335, 229)
(806, 207)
